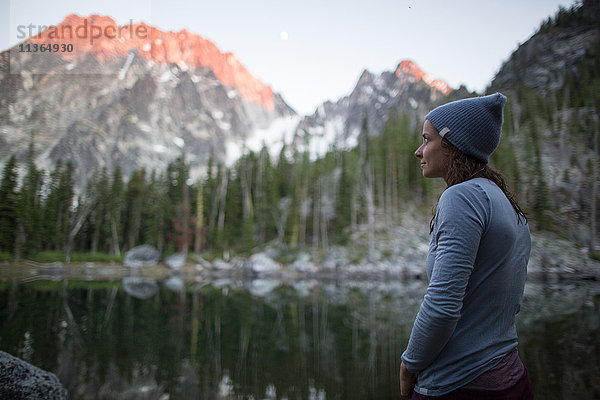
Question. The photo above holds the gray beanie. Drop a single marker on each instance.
(473, 125)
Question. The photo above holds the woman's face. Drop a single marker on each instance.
(434, 160)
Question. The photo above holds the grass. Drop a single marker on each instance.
(54, 256)
(5, 256)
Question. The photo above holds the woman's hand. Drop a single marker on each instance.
(407, 381)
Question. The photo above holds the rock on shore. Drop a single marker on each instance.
(21, 380)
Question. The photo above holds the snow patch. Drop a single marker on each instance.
(224, 125)
(125, 67)
(233, 152)
(179, 142)
(323, 138)
(183, 66)
(167, 76)
(413, 103)
(159, 148)
(144, 127)
(280, 132)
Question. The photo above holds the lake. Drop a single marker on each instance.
(224, 338)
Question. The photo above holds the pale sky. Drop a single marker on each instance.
(310, 51)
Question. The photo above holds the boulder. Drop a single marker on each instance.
(21, 380)
(221, 265)
(337, 256)
(260, 263)
(175, 261)
(303, 263)
(142, 256)
(140, 288)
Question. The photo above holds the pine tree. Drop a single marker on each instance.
(245, 172)
(199, 231)
(345, 194)
(134, 201)
(179, 214)
(98, 188)
(154, 212)
(29, 215)
(115, 210)
(9, 198)
(65, 191)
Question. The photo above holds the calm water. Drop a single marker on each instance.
(263, 339)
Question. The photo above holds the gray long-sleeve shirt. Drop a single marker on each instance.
(476, 266)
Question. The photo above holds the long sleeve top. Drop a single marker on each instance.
(476, 267)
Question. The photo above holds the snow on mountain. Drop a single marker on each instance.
(407, 89)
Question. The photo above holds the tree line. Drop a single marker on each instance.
(291, 199)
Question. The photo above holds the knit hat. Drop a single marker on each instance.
(473, 125)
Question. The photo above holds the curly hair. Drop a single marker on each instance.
(464, 167)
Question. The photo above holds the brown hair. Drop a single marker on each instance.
(464, 167)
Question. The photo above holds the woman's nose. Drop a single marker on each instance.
(419, 152)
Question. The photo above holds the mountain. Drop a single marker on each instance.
(407, 89)
(130, 95)
(136, 96)
(552, 120)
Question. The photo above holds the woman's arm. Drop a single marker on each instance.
(460, 223)
(407, 381)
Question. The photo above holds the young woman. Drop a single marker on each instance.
(463, 342)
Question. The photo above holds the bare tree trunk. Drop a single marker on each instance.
(304, 211)
(592, 245)
(186, 221)
(95, 238)
(353, 210)
(116, 251)
(199, 220)
(19, 240)
(281, 217)
(394, 180)
(261, 197)
(389, 210)
(222, 202)
(316, 214)
(370, 212)
(246, 182)
(324, 219)
(82, 214)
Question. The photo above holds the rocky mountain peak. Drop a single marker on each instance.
(103, 38)
(411, 71)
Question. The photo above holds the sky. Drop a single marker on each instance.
(311, 51)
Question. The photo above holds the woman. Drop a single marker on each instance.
(463, 342)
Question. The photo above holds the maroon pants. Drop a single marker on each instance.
(520, 391)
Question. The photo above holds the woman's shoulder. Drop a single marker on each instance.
(477, 187)
(472, 196)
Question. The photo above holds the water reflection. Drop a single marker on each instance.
(268, 340)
